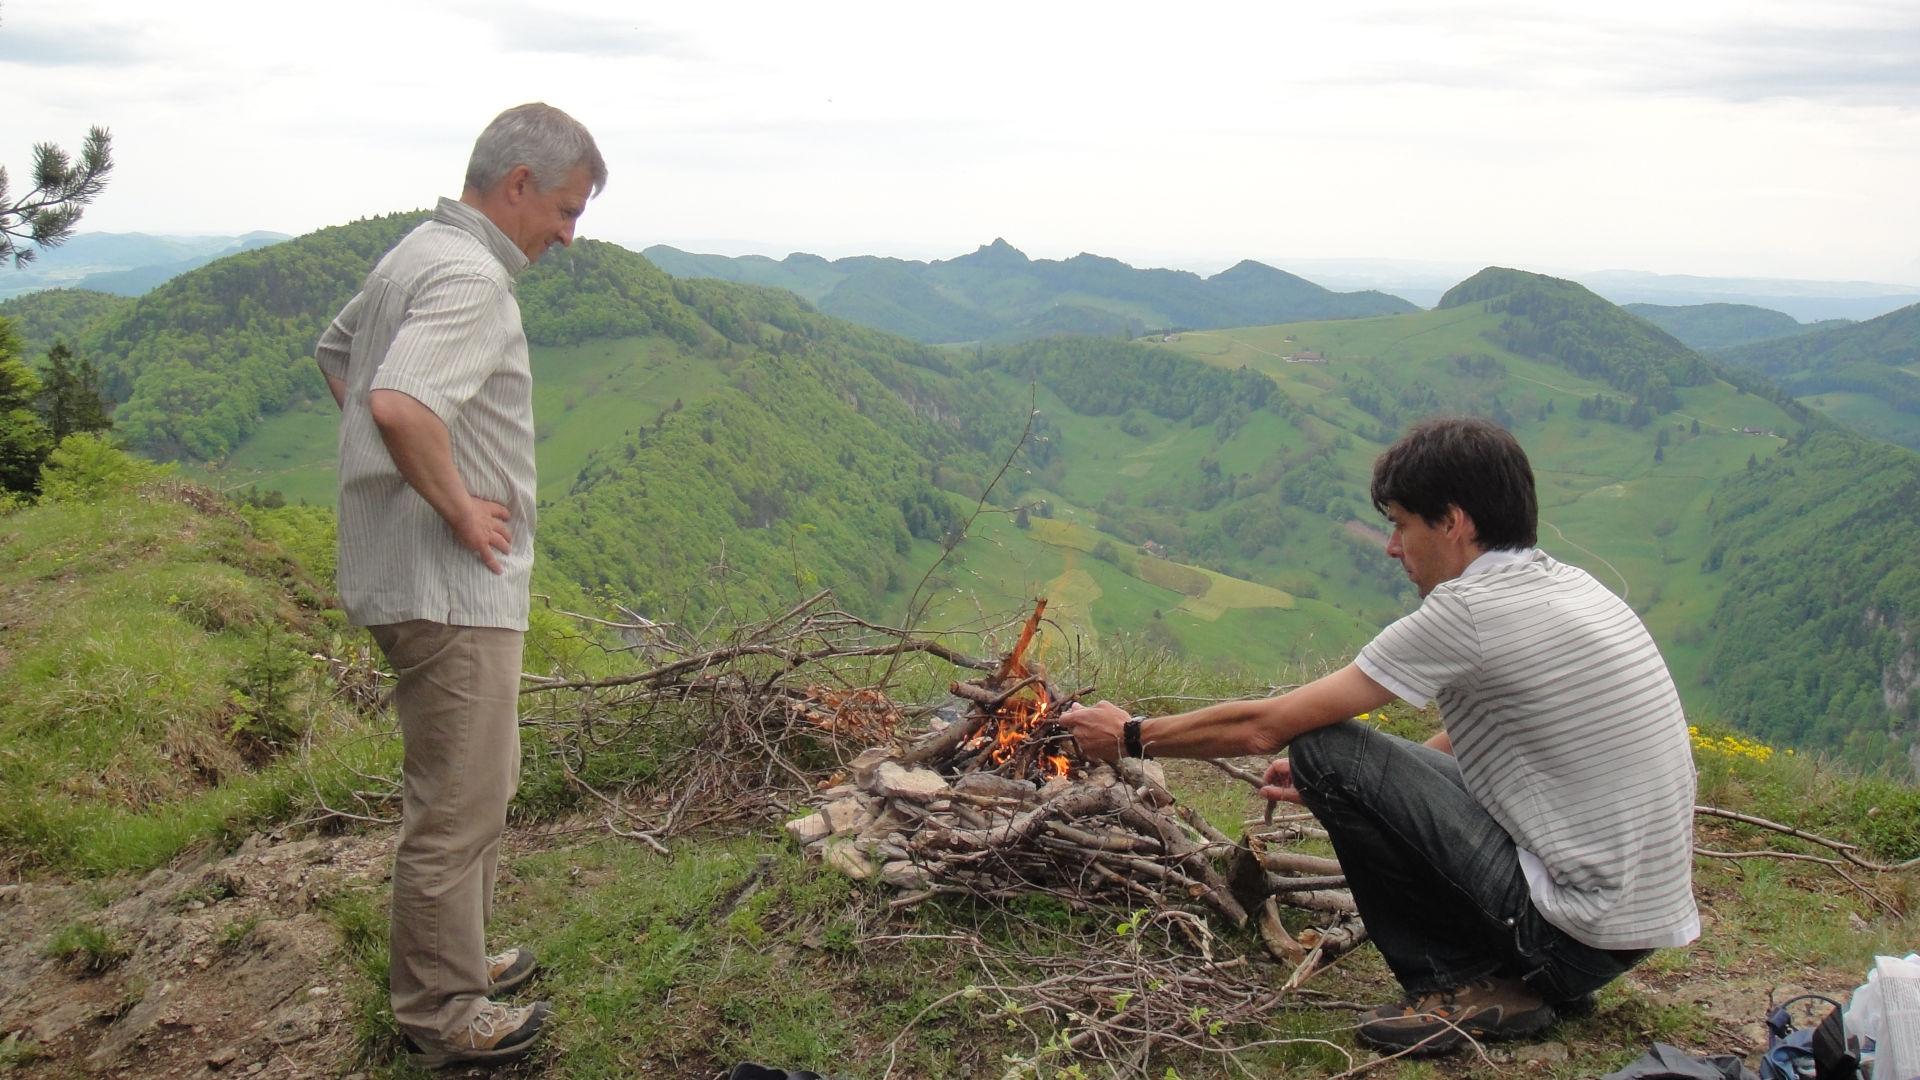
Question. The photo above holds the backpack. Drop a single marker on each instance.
(1821, 1052)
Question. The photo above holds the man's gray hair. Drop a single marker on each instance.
(542, 138)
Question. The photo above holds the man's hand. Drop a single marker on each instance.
(1278, 783)
(1097, 728)
(484, 531)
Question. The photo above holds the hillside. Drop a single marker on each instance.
(186, 899)
(1865, 375)
(997, 294)
(51, 315)
(1719, 326)
(125, 264)
(709, 447)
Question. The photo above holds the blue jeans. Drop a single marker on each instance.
(1437, 880)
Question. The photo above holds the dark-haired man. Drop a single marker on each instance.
(1539, 845)
(429, 365)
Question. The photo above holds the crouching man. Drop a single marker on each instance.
(1541, 844)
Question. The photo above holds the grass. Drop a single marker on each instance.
(739, 949)
(116, 754)
(90, 948)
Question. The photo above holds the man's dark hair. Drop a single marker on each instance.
(1467, 462)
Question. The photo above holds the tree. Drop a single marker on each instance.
(23, 438)
(70, 400)
(44, 216)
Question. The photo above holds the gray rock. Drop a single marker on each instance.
(920, 785)
(808, 829)
(846, 857)
(847, 815)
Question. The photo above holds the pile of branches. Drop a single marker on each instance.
(738, 729)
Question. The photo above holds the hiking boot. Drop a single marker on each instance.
(1488, 1009)
(1587, 1004)
(507, 971)
(496, 1034)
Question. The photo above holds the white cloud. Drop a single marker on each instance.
(1684, 136)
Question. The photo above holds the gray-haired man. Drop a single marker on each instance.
(429, 365)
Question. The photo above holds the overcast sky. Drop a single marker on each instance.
(1741, 138)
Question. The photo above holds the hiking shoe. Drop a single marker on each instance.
(1587, 1004)
(507, 971)
(1487, 1009)
(498, 1033)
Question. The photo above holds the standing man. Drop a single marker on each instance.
(1542, 843)
(429, 366)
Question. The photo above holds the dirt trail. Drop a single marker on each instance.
(230, 968)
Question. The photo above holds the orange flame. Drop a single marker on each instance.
(1021, 717)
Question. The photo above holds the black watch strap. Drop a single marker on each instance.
(1130, 738)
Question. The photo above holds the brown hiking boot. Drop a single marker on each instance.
(509, 970)
(497, 1033)
(1487, 1009)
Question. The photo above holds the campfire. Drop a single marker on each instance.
(995, 800)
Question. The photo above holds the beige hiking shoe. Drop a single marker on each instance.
(1487, 1009)
(496, 1033)
(509, 970)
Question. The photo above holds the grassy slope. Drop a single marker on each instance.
(584, 396)
(133, 719)
(1602, 496)
(735, 948)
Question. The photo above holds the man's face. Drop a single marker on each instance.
(546, 218)
(1428, 552)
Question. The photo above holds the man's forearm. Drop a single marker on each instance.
(422, 451)
(1264, 726)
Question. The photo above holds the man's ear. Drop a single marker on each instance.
(1459, 524)
(518, 183)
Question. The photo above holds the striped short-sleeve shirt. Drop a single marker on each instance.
(436, 320)
(1569, 731)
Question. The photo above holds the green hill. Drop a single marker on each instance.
(998, 294)
(707, 446)
(1720, 326)
(51, 315)
(1865, 375)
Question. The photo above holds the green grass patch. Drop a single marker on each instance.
(155, 683)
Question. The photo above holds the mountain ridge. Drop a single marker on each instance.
(997, 294)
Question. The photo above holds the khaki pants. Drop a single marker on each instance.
(458, 700)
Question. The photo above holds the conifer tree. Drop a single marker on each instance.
(44, 216)
(70, 399)
(23, 438)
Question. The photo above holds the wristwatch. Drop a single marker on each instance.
(1130, 738)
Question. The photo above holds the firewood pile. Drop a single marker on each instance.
(995, 800)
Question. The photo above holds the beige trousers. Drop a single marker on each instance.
(458, 699)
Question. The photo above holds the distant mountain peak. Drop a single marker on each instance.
(998, 253)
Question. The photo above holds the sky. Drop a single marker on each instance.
(1750, 139)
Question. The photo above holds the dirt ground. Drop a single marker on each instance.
(231, 968)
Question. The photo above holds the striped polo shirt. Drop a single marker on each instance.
(436, 320)
(1569, 731)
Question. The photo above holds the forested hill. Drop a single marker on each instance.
(1865, 374)
(1548, 318)
(1721, 326)
(198, 362)
(52, 315)
(1813, 639)
(998, 294)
